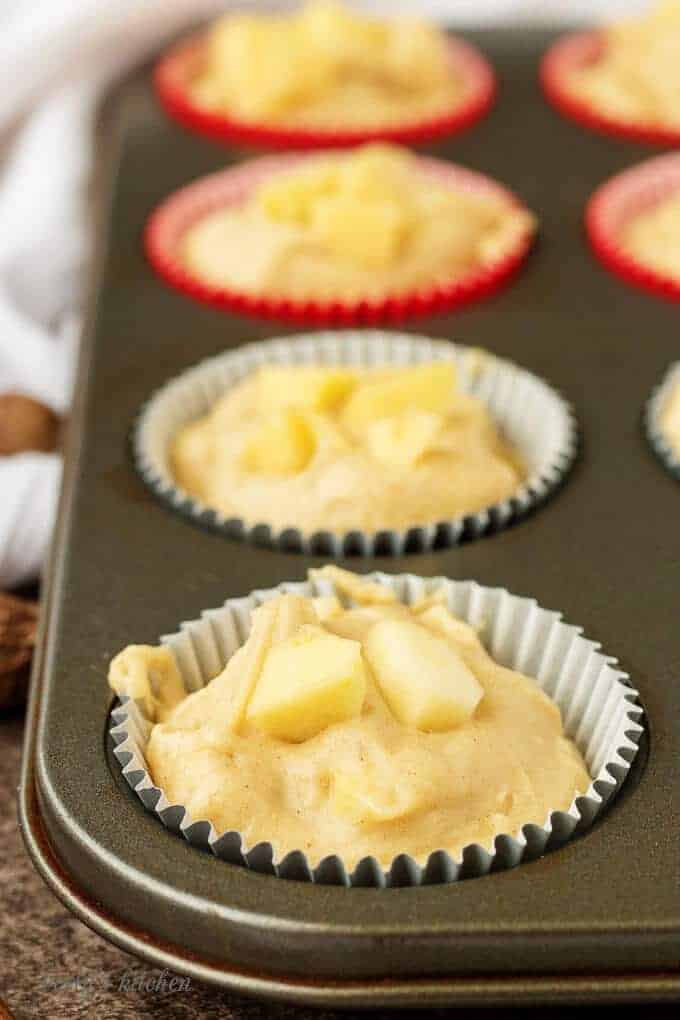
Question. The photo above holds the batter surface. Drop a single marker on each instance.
(328, 66)
(405, 737)
(637, 78)
(366, 225)
(653, 237)
(337, 449)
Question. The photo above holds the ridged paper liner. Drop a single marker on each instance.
(533, 418)
(621, 198)
(168, 224)
(176, 69)
(599, 713)
(575, 51)
(652, 421)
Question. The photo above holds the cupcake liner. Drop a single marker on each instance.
(168, 224)
(599, 711)
(175, 70)
(531, 415)
(652, 421)
(617, 201)
(577, 50)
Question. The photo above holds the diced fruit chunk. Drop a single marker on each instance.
(291, 198)
(363, 799)
(371, 233)
(326, 607)
(354, 586)
(271, 622)
(282, 445)
(379, 171)
(356, 623)
(318, 388)
(404, 438)
(439, 620)
(428, 387)
(424, 681)
(308, 682)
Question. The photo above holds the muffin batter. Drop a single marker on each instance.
(637, 78)
(342, 448)
(653, 237)
(407, 737)
(328, 66)
(366, 225)
(670, 419)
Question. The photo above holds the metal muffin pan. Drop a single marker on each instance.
(596, 921)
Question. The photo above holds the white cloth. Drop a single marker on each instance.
(56, 57)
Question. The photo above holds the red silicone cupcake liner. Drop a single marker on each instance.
(174, 71)
(169, 223)
(620, 199)
(576, 51)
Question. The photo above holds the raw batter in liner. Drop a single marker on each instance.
(637, 77)
(341, 449)
(365, 225)
(424, 743)
(328, 66)
(653, 237)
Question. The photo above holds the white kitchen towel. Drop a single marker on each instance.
(56, 58)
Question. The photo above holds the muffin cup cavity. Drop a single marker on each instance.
(619, 200)
(168, 224)
(175, 71)
(599, 711)
(532, 417)
(652, 421)
(571, 53)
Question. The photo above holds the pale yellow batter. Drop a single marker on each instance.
(372, 730)
(363, 225)
(322, 448)
(637, 78)
(670, 419)
(653, 237)
(328, 66)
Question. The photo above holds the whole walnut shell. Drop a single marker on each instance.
(18, 626)
(26, 424)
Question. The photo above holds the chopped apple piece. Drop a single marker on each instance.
(326, 607)
(371, 233)
(148, 673)
(312, 386)
(292, 197)
(356, 623)
(422, 678)
(404, 438)
(428, 387)
(309, 682)
(365, 800)
(282, 445)
(441, 621)
(292, 613)
(272, 622)
(379, 171)
(356, 587)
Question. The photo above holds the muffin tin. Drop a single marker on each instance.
(596, 921)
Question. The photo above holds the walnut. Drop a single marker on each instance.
(18, 626)
(26, 424)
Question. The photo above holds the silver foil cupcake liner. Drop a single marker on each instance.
(532, 416)
(652, 421)
(599, 712)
